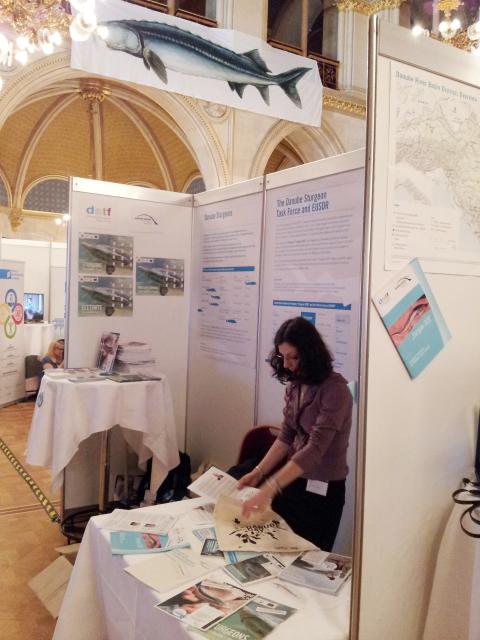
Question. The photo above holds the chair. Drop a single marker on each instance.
(257, 442)
(33, 371)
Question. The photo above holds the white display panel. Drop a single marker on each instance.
(113, 230)
(224, 320)
(420, 433)
(12, 364)
(311, 267)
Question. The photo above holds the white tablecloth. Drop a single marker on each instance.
(103, 602)
(67, 413)
(454, 609)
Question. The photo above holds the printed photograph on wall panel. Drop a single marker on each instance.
(434, 173)
(104, 295)
(226, 299)
(315, 249)
(159, 276)
(102, 253)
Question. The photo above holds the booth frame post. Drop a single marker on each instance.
(363, 335)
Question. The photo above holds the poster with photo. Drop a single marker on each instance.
(411, 315)
(159, 276)
(103, 253)
(107, 351)
(103, 295)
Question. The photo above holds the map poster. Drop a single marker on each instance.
(434, 173)
(412, 318)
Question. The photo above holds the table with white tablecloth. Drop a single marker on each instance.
(103, 602)
(68, 413)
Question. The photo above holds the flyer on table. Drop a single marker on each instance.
(412, 318)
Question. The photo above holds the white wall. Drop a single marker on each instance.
(419, 432)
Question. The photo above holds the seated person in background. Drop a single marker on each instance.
(54, 356)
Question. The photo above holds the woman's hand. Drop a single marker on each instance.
(259, 502)
(251, 479)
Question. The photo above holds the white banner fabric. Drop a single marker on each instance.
(218, 65)
(12, 365)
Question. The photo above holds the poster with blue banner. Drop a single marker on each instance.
(412, 318)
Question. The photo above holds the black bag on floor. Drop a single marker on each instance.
(174, 487)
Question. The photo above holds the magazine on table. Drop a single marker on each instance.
(130, 377)
(132, 520)
(166, 571)
(205, 603)
(236, 556)
(204, 533)
(326, 572)
(210, 548)
(107, 351)
(254, 621)
(214, 483)
(126, 542)
(261, 567)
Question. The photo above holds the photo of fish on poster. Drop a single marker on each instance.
(227, 67)
(103, 253)
(105, 296)
(159, 276)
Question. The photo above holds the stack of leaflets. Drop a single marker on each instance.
(126, 542)
(130, 377)
(254, 621)
(132, 356)
(319, 570)
(205, 603)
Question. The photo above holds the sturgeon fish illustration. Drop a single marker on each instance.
(163, 46)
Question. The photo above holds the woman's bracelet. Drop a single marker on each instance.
(259, 468)
(273, 484)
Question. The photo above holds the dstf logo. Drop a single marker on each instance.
(99, 212)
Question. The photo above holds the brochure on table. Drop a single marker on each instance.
(12, 364)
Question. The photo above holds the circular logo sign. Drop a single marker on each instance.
(9, 328)
(11, 298)
(17, 314)
(5, 311)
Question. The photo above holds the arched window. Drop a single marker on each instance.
(203, 11)
(3, 194)
(51, 194)
(197, 185)
(308, 28)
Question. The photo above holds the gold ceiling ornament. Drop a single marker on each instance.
(344, 106)
(368, 7)
(15, 217)
(94, 93)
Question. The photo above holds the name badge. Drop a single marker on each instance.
(317, 486)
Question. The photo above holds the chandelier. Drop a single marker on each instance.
(39, 26)
(450, 28)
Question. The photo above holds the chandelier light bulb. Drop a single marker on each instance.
(58, 221)
(82, 26)
(22, 42)
(456, 24)
(21, 56)
(4, 46)
(66, 217)
(418, 30)
(55, 38)
(47, 48)
(473, 31)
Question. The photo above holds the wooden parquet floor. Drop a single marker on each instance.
(27, 535)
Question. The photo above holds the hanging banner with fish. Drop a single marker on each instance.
(228, 67)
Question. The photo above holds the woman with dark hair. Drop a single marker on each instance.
(303, 473)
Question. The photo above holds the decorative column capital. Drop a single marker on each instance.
(368, 7)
